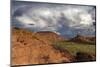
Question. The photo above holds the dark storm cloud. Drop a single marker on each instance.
(62, 19)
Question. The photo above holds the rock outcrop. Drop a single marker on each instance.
(36, 48)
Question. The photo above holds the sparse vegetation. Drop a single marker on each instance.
(73, 47)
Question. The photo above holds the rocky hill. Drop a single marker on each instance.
(36, 48)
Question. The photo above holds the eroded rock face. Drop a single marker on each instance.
(30, 49)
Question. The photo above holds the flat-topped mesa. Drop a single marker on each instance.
(84, 39)
(48, 35)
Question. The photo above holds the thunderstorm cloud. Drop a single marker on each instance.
(64, 19)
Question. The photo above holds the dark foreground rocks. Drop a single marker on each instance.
(84, 57)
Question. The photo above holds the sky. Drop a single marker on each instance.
(64, 19)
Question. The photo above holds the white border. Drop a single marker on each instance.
(5, 33)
